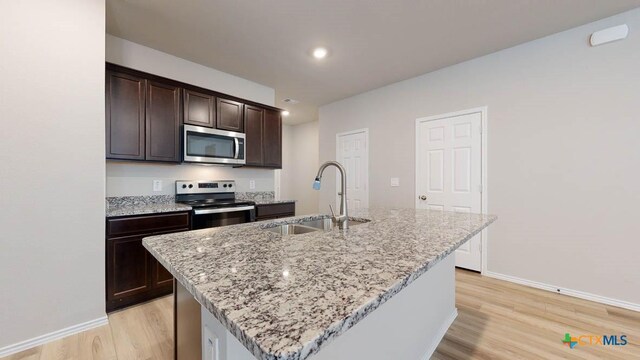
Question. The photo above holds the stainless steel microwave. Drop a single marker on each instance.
(212, 146)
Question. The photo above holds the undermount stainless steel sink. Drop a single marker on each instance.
(327, 224)
(308, 226)
(291, 229)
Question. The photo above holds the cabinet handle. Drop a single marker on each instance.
(422, 197)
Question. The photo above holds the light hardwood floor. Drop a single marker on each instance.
(140, 332)
(496, 320)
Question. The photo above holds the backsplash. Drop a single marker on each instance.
(125, 178)
(256, 195)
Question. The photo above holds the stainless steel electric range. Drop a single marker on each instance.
(214, 203)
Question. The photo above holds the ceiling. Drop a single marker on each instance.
(370, 43)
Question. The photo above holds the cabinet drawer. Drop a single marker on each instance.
(147, 224)
(275, 210)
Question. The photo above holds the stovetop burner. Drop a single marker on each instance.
(208, 194)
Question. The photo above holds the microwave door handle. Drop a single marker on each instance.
(237, 142)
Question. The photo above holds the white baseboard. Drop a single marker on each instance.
(55, 335)
(564, 291)
(441, 332)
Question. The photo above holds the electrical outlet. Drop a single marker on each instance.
(157, 185)
(252, 184)
(395, 182)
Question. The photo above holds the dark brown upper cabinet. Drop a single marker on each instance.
(272, 139)
(145, 112)
(199, 108)
(229, 115)
(125, 123)
(163, 122)
(254, 127)
(142, 118)
(263, 129)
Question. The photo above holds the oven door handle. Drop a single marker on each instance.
(223, 210)
(237, 142)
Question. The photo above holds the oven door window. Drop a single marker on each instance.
(210, 145)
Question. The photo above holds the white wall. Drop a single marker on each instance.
(126, 53)
(562, 153)
(300, 165)
(287, 171)
(134, 178)
(52, 177)
(126, 178)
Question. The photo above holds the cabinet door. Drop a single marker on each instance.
(253, 125)
(128, 268)
(161, 276)
(125, 99)
(163, 122)
(199, 109)
(272, 139)
(229, 115)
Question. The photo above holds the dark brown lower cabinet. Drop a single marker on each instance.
(275, 211)
(128, 270)
(161, 276)
(133, 275)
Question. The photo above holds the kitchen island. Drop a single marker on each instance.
(320, 294)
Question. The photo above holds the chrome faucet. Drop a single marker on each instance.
(343, 219)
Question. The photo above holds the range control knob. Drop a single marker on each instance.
(184, 186)
(225, 185)
(190, 186)
(230, 185)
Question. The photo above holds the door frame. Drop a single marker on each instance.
(483, 110)
(366, 137)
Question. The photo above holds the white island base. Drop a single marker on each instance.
(409, 326)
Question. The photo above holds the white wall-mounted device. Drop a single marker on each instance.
(608, 35)
(157, 185)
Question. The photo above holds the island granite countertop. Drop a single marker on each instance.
(284, 297)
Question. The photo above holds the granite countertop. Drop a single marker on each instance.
(140, 205)
(261, 197)
(284, 297)
(153, 204)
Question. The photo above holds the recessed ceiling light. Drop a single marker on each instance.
(285, 113)
(319, 53)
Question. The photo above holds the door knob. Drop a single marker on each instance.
(422, 197)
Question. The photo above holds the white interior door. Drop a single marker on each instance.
(449, 172)
(352, 149)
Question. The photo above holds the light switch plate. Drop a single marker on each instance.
(395, 182)
(157, 185)
(252, 184)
